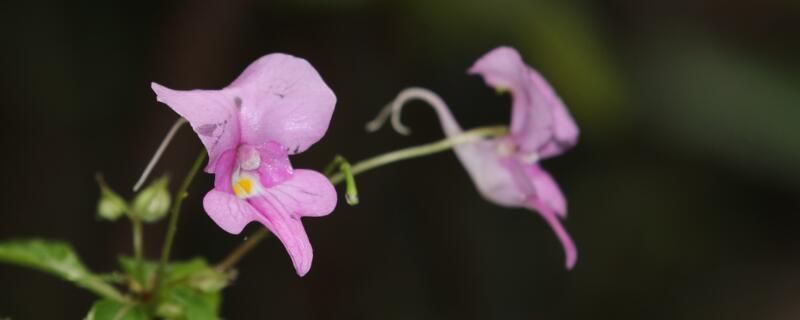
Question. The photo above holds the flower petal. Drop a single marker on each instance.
(565, 131)
(307, 193)
(570, 252)
(287, 93)
(547, 190)
(489, 173)
(531, 117)
(211, 113)
(275, 167)
(229, 212)
(223, 171)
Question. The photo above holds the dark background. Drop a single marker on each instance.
(683, 190)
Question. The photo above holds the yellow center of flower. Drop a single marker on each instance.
(243, 187)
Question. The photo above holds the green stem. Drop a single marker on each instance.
(137, 246)
(101, 288)
(242, 249)
(351, 192)
(366, 165)
(175, 211)
(422, 150)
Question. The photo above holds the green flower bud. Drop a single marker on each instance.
(152, 203)
(110, 206)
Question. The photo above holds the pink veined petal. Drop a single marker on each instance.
(519, 176)
(275, 166)
(307, 193)
(531, 118)
(565, 131)
(570, 251)
(224, 171)
(212, 114)
(283, 99)
(547, 190)
(288, 229)
(490, 175)
(229, 212)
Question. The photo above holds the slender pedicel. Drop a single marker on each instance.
(395, 108)
(377, 123)
(473, 135)
(340, 163)
(159, 152)
(175, 211)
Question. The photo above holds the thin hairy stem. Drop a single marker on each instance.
(159, 152)
(175, 211)
(395, 109)
(242, 250)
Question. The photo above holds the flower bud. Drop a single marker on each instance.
(110, 206)
(152, 203)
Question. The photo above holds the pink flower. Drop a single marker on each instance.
(279, 106)
(506, 170)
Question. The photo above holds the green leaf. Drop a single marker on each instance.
(59, 259)
(152, 203)
(191, 290)
(112, 310)
(140, 281)
(196, 274)
(185, 303)
(110, 206)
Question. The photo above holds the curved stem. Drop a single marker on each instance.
(159, 152)
(369, 164)
(422, 150)
(173, 220)
(351, 192)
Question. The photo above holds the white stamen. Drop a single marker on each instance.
(529, 158)
(249, 159)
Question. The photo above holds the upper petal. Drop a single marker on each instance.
(211, 113)
(531, 117)
(283, 99)
(565, 130)
(540, 122)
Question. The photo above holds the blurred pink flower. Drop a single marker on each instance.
(506, 170)
(279, 106)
